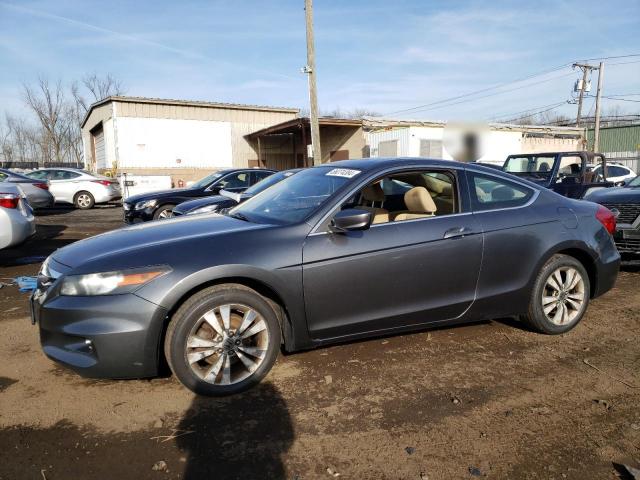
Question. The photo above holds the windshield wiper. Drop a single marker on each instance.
(239, 216)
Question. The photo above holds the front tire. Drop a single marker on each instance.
(84, 200)
(164, 212)
(223, 340)
(560, 296)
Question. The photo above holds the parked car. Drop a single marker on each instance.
(566, 173)
(78, 187)
(229, 199)
(36, 191)
(616, 172)
(334, 253)
(625, 202)
(160, 205)
(16, 216)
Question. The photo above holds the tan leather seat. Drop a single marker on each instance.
(372, 194)
(419, 204)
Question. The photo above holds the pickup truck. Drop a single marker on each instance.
(571, 174)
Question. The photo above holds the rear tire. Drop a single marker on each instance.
(223, 340)
(560, 296)
(163, 212)
(84, 200)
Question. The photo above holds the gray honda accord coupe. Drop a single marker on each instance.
(337, 252)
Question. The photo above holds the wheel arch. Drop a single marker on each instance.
(266, 290)
(583, 254)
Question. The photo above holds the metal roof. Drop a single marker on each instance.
(185, 103)
(381, 122)
(291, 125)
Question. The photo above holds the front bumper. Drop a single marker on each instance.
(627, 239)
(111, 336)
(132, 216)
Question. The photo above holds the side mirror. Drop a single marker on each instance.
(351, 219)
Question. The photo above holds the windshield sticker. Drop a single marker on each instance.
(343, 172)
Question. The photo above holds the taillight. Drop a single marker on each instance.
(106, 183)
(9, 200)
(606, 218)
(43, 186)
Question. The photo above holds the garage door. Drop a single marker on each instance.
(430, 148)
(98, 149)
(388, 148)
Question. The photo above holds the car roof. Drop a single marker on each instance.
(70, 169)
(370, 164)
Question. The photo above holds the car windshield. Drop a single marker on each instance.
(267, 182)
(635, 182)
(203, 182)
(295, 198)
(536, 165)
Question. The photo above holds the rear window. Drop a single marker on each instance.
(492, 193)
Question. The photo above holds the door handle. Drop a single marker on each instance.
(457, 232)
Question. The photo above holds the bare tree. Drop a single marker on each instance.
(20, 141)
(48, 103)
(95, 88)
(58, 137)
(337, 112)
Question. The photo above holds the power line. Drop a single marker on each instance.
(615, 56)
(495, 87)
(617, 97)
(449, 104)
(421, 108)
(622, 63)
(534, 111)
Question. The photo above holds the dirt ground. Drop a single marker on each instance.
(488, 400)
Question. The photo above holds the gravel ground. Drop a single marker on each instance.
(487, 400)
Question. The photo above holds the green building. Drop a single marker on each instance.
(619, 144)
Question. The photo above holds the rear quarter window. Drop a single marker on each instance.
(492, 193)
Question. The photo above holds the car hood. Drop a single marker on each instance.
(615, 195)
(139, 237)
(158, 194)
(203, 202)
(222, 200)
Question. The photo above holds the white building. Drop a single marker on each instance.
(392, 138)
(183, 139)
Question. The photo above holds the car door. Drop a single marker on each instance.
(570, 175)
(235, 181)
(392, 275)
(63, 185)
(512, 239)
(259, 175)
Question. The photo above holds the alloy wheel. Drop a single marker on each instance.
(563, 296)
(166, 213)
(84, 200)
(227, 344)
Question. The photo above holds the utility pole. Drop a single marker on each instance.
(596, 131)
(585, 73)
(310, 69)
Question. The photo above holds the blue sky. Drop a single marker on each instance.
(381, 55)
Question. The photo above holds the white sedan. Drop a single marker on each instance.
(617, 172)
(16, 217)
(81, 188)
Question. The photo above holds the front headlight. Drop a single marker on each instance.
(110, 283)
(207, 209)
(146, 204)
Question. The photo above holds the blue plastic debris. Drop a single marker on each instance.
(26, 284)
